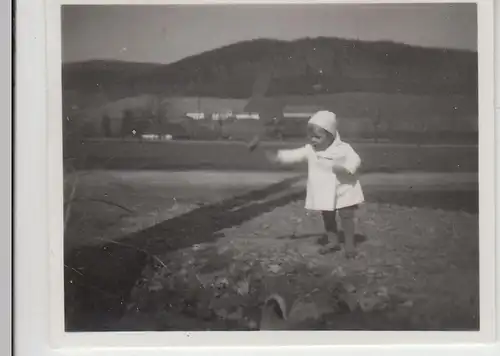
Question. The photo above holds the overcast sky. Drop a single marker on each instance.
(166, 34)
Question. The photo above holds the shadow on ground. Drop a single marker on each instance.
(98, 279)
(323, 240)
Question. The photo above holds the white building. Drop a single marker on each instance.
(300, 111)
(196, 115)
(297, 115)
(248, 115)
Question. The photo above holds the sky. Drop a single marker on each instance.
(168, 33)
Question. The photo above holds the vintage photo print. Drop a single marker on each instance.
(262, 167)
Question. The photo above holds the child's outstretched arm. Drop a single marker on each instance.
(289, 156)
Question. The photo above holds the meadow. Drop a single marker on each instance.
(229, 155)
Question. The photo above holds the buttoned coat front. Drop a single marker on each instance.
(327, 191)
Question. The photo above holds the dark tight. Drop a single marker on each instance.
(346, 215)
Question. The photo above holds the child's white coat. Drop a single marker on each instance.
(327, 191)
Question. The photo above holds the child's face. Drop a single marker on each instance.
(320, 138)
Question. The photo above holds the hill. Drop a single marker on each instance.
(90, 76)
(300, 67)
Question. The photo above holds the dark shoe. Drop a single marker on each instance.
(350, 251)
(350, 254)
(333, 238)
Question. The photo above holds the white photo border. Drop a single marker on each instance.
(39, 327)
(6, 182)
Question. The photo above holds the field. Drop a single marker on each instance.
(185, 155)
(192, 235)
(422, 115)
(404, 107)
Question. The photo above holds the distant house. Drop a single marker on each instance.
(247, 116)
(300, 111)
(222, 115)
(297, 115)
(269, 108)
(195, 115)
(156, 137)
(150, 137)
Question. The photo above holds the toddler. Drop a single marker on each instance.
(332, 183)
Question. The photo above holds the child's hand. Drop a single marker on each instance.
(339, 169)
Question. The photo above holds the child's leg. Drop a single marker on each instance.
(331, 229)
(347, 216)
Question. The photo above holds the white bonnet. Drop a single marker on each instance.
(326, 120)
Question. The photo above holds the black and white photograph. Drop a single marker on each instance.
(246, 167)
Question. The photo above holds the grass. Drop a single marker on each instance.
(188, 155)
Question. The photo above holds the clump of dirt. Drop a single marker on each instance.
(228, 293)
